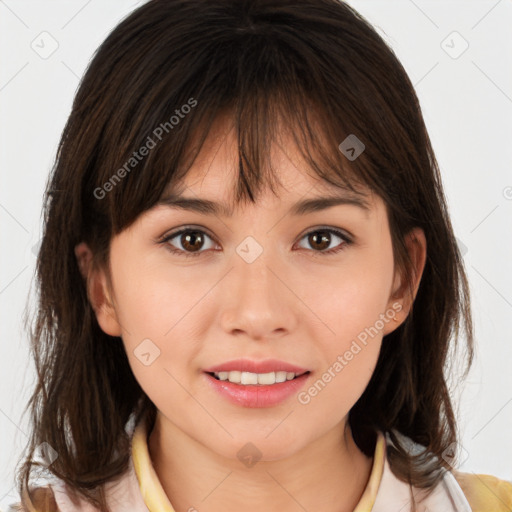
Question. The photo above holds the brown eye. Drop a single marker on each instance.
(189, 242)
(192, 241)
(320, 239)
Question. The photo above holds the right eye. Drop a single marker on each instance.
(191, 241)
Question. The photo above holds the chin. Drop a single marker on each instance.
(252, 448)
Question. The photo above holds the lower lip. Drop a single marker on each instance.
(252, 395)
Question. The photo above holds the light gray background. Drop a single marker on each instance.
(467, 104)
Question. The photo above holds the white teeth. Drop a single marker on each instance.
(248, 378)
(266, 379)
(281, 376)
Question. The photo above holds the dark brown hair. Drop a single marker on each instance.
(314, 68)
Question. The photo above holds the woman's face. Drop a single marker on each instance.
(258, 285)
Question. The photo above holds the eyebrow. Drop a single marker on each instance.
(315, 204)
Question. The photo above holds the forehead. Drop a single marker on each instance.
(215, 170)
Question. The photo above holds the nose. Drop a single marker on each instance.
(257, 299)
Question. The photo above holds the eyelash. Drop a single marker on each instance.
(346, 241)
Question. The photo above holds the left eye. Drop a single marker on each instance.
(193, 240)
(323, 236)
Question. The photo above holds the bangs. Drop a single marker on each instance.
(258, 124)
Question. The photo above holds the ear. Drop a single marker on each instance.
(97, 291)
(401, 299)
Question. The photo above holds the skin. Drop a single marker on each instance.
(292, 303)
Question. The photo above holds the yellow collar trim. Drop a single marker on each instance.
(151, 489)
(370, 493)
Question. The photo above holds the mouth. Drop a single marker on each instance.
(268, 384)
(256, 379)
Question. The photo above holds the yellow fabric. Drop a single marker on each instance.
(152, 491)
(485, 493)
(370, 493)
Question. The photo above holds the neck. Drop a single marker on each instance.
(329, 474)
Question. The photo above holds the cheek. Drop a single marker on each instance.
(350, 297)
(153, 299)
(349, 340)
(155, 306)
(351, 302)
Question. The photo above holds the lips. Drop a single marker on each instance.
(252, 366)
(259, 395)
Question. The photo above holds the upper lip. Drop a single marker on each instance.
(252, 366)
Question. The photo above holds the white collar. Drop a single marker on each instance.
(394, 495)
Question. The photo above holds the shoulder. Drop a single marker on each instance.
(485, 493)
(42, 498)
